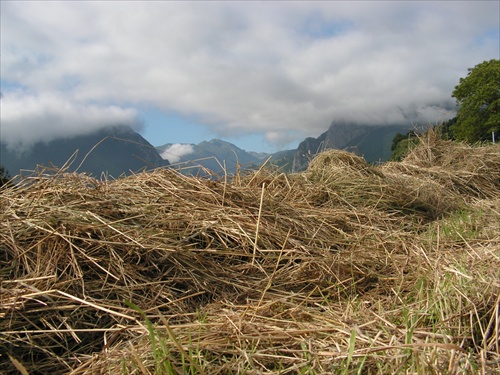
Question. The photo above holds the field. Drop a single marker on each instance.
(346, 268)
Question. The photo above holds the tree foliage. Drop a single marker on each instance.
(478, 98)
(4, 176)
(446, 129)
(401, 144)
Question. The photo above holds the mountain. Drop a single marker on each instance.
(259, 155)
(215, 155)
(120, 150)
(113, 151)
(370, 141)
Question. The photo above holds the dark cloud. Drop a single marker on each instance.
(274, 68)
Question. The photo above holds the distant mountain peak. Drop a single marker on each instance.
(113, 150)
(214, 155)
(372, 142)
(219, 142)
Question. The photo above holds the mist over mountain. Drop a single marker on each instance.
(216, 155)
(113, 151)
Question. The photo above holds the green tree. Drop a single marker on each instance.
(445, 129)
(401, 144)
(4, 176)
(478, 98)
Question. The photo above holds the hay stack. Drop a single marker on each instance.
(324, 271)
(75, 249)
(348, 178)
(469, 171)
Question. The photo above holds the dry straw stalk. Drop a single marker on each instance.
(345, 268)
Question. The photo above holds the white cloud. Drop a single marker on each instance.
(175, 152)
(27, 119)
(253, 67)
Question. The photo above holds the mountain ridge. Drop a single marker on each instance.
(372, 142)
(216, 155)
(114, 151)
(120, 150)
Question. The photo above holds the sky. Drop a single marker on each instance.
(262, 75)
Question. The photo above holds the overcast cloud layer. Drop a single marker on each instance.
(283, 69)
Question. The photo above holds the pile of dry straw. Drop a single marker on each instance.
(346, 267)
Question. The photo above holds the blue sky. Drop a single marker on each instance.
(262, 75)
(158, 128)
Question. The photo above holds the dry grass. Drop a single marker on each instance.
(460, 168)
(345, 268)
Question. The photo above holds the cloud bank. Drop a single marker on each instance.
(275, 68)
(175, 152)
(27, 119)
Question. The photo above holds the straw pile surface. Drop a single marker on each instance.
(348, 178)
(460, 168)
(345, 268)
